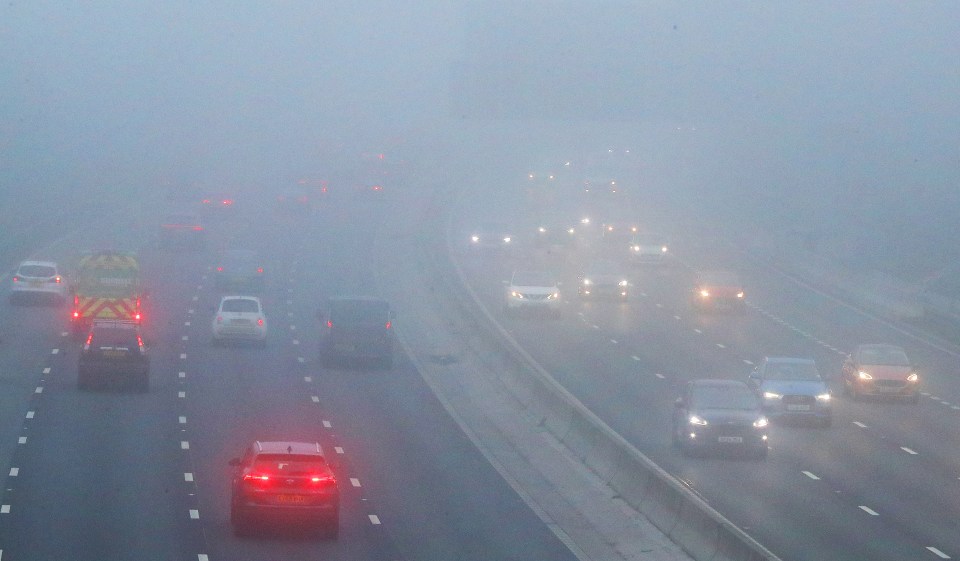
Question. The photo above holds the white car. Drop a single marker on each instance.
(533, 291)
(38, 279)
(648, 248)
(240, 318)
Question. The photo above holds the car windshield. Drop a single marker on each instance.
(719, 278)
(289, 464)
(603, 268)
(724, 397)
(533, 279)
(113, 337)
(791, 371)
(240, 305)
(884, 356)
(359, 311)
(648, 239)
(43, 271)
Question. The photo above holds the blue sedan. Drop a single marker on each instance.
(792, 388)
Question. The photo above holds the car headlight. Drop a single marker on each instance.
(864, 375)
(475, 239)
(824, 397)
(694, 420)
(506, 239)
(623, 283)
(912, 377)
(587, 282)
(772, 395)
(571, 231)
(542, 230)
(663, 249)
(740, 294)
(705, 293)
(761, 422)
(516, 294)
(553, 296)
(635, 248)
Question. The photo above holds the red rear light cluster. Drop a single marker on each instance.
(16, 279)
(56, 279)
(258, 478)
(389, 324)
(76, 314)
(219, 269)
(198, 228)
(259, 269)
(329, 323)
(260, 322)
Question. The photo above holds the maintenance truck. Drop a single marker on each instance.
(106, 287)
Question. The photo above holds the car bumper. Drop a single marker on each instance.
(779, 410)
(604, 291)
(713, 439)
(261, 511)
(533, 304)
(890, 389)
(25, 288)
(239, 332)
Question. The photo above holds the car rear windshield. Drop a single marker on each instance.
(792, 371)
(43, 271)
(240, 305)
(886, 356)
(359, 311)
(533, 279)
(724, 397)
(289, 464)
(110, 337)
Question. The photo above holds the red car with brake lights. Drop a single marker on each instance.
(287, 482)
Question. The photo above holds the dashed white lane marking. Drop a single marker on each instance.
(55, 351)
(315, 398)
(338, 449)
(186, 324)
(307, 379)
(64, 333)
(659, 305)
(945, 403)
(658, 375)
(750, 362)
(4, 509)
(22, 440)
(909, 451)
(859, 424)
(635, 357)
(183, 356)
(181, 394)
(182, 419)
(185, 338)
(937, 552)
(290, 314)
(354, 481)
(296, 341)
(187, 476)
(293, 328)
(721, 346)
(182, 375)
(38, 390)
(46, 370)
(190, 311)
(202, 557)
(30, 414)
(326, 424)
(644, 294)
(810, 475)
(595, 326)
(14, 472)
(955, 407)
(195, 298)
(580, 314)
(374, 519)
(289, 302)
(184, 445)
(676, 318)
(869, 510)
(300, 359)
(935, 398)
(194, 514)
(697, 331)
(613, 341)
(925, 394)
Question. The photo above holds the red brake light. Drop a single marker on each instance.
(219, 319)
(323, 480)
(89, 339)
(76, 314)
(206, 201)
(227, 202)
(56, 279)
(16, 279)
(389, 324)
(329, 323)
(198, 228)
(256, 477)
(259, 269)
(260, 322)
(219, 269)
(137, 316)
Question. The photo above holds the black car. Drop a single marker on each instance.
(719, 415)
(114, 351)
(358, 329)
(240, 268)
(181, 230)
(285, 482)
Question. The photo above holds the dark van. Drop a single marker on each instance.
(356, 329)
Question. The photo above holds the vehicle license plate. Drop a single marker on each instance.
(730, 439)
(114, 353)
(888, 389)
(36, 283)
(796, 407)
(240, 321)
(294, 499)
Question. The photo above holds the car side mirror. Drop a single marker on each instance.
(234, 462)
(679, 403)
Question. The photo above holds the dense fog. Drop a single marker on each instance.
(835, 122)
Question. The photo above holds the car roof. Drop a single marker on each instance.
(789, 360)
(288, 447)
(239, 297)
(40, 263)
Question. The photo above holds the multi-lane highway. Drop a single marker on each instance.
(116, 475)
(882, 484)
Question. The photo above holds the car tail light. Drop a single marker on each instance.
(257, 479)
(329, 323)
(322, 481)
(86, 346)
(16, 279)
(219, 269)
(57, 279)
(259, 269)
(76, 314)
(260, 322)
(227, 202)
(136, 316)
(389, 324)
(219, 319)
(198, 228)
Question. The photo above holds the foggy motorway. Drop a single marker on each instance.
(375, 150)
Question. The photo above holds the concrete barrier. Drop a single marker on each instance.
(673, 508)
